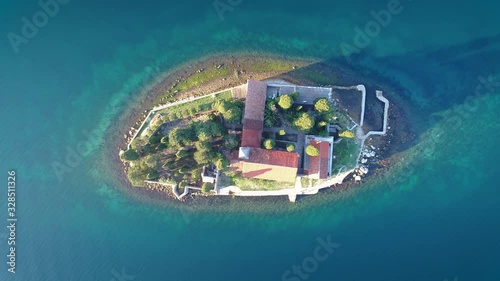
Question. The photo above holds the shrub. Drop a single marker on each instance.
(299, 108)
(161, 146)
(155, 139)
(322, 105)
(184, 170)
(196, 175)
(322, 124)
(290, 147)
(271, 117)
(312, 151)
(269, 144)
(164, 140)
(324, 133)
(203, 157)
(233, 115)
(304, 122)
(130, 155)
(203, 146)
(221, 162)
(231, 142)
(182, 153)
(347, 134)
(285, 101)
(295, 95)
(153, 175)
(281, 132)
(207, 187)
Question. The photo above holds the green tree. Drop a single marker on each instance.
(285, 101)
(181, 136)
(295, 95)
(182, 153)
(130, 155)
(304, 122)
(233, 115)
(231, 142)
(282, 132)
(347, 134)
(155, 139)
(322, 105)
(290, 147)
(321, 124)
(203, 157)
(324, 133)
(203, 146)
(312, 150)
(151, 161)
(164, 140)
(153, 175)
(161, 146)
(207, 187)
(269, 144)
(221, 161)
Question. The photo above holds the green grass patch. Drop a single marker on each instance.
(258, 184)
(346, 153)
(188, 109)
(263, 66)
(199, 78)
(226, 95)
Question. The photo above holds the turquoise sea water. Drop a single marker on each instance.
(434, 217)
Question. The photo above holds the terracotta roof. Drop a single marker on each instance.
(254, 113)
(271, 165)
(255, 100)
(269, 172)
(318, 165)
(251, 138)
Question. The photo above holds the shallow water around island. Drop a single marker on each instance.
(433, 216)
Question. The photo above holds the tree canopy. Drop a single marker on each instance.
(322, 105)
(269, 144)
(207, 187)
(312, 151)
(304, 122)
(285, 101)
(290, 147)
(347, 134)
(130, 155)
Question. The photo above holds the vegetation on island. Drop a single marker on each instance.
(179, 140)
(182, 140)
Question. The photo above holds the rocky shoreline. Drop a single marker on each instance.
(380, 148)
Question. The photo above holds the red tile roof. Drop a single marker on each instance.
(255, 100)
(254, 113)
(271, 165)
(274, 157)
(250, 138)
(319, 164)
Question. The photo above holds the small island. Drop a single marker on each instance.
(262, 138)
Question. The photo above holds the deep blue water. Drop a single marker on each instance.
(435, 219)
